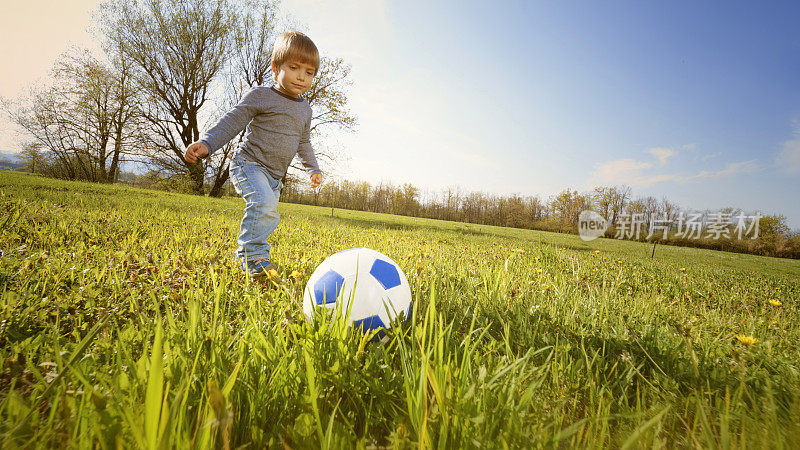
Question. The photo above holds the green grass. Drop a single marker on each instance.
(125, 321)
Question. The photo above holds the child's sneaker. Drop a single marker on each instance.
(261, 267)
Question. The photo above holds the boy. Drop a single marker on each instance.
(278, 121)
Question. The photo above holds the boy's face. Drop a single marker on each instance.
(293, 78)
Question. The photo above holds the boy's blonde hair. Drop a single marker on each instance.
(295, 46)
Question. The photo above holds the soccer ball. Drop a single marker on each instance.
(369, 283)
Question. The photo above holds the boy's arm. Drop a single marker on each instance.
(306, 152)
(232, 123)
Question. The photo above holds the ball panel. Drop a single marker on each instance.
(326, 289)
(369, 323)
(386, 273)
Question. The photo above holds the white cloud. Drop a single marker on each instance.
(788, 159)
(663, 154)
(733, 168)
(633, 173)
(692, 149)
(621, 171)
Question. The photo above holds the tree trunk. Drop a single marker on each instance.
(112, 171)
(197, 173)
(101, 161)
(219, 183)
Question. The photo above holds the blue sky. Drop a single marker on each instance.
(695, 101)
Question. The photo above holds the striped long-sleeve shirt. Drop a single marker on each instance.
(277, 129)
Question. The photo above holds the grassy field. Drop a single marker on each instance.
(125, 321)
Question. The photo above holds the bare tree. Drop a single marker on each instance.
(41, 114)
(474, 207)
(669, 209)
(536, 209)
(620, 195)
(127, 121)
(603, 197)
(568, 204)
(256, 29)
(637, 206)
(177, 50)
(651, 207)
(407, 200)
(85, 86)
(451, 202)
(81, 119)
(515, 212)
(328, 99)
(33, 159)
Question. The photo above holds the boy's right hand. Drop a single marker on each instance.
(194, 151)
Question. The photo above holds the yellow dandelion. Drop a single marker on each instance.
(683, 269)
(746, 340)
(597, 251)
(272, 274)
(775, 303)
(539, 270)
(295, 274)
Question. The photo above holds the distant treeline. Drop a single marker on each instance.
(560, 213)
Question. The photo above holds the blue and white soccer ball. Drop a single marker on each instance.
(376, 285)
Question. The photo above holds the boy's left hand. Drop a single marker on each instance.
(316, 180)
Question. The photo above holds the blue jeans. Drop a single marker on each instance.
(261, 193)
